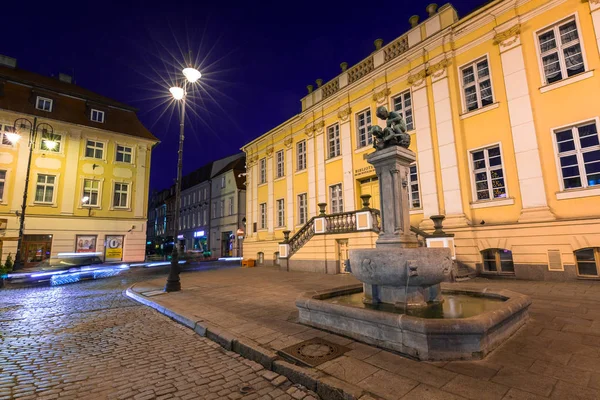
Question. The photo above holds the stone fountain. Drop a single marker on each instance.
(400, 304)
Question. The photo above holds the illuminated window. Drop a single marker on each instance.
(488, 174)
(579, 155)
(477, 85)
(363, 125)
(2, 183)
(560, 51)
(403, 105)
(50, 141)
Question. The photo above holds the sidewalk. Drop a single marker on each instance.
(252, 312)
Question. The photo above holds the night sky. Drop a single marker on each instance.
(256, 59)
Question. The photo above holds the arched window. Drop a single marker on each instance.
(498, 260)
(588, 261)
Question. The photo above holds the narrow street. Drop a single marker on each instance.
(89, 341)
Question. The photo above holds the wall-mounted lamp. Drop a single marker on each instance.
(85, 201)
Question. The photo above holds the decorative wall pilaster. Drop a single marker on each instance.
(141, 191)
(531, 182)
(255, 215)
(249, 197)
(595, 13)
(346, 148)
(312, 182)
(289, 173)
(320, 139)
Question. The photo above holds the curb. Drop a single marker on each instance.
(326, 386)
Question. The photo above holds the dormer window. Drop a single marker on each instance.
(43, 103)
(97, 116)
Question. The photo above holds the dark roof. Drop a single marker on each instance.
(19, 88)
(239, 167)
(195, 177)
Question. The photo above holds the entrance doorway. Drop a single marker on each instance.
(36, 248)
(371, 186)
(342, 255)
(227, 240)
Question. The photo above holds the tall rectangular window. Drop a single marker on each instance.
(280, 163)
(413, 184)
(301, 155)
(302, 211)
(2, 183)
(488, 174)
(363, 125)
(214, 210)
(50, 141)
(44, 189)
(560, 51)
(94, 149)
(91, 190)
(205, 216)
(43, 103)
(335, 196)
(124, 154)
(97, 115)
(262, 166)
(231, 206)
(477, 85)
(281, 212)
(223, 182)
(403, 105)
(222, 208)
(263, 215)
(333, 141)
(121, 195)
(579, 155)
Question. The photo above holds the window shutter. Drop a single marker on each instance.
(555, 260)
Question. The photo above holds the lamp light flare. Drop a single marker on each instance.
(50, 144)
(177, 92)
(85, 199)
(191, 74)
(12, 137)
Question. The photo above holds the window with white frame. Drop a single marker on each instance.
(579, 155)
(263, 215)
(333, 140)
(302, 211)
(335, 197)
(205, 216)
(488, 174)
(222, 208)
(2, 183)
(281, 212)
(223, 182)
(413, 184)
(8, 129)
(363, 125)
(214, 210)
(44, 189)
(263, 170)
(50, 141)
(231, 206)
(91, 190)
(97, 115)
(279, 157)
(560, 51)
(477, 84)
(94, 149)
(124, 154)
(301, 155)
(402, 104)
(121, 195)
(43, 103)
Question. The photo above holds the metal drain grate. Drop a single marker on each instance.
(314, 351)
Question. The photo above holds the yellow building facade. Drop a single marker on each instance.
(502, 107)
(90, 169)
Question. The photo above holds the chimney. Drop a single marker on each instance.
(414, 21)
(65, 78)
(7, 61)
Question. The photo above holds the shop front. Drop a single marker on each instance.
(227, 243)
(36, 248)
(200, 241)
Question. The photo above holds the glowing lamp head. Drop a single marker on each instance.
(50, 144)
(13, 137)
(192, 74)
(85, 199)
(177, 92)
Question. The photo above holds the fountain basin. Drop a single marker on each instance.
(429, 338)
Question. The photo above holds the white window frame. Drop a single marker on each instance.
(53, 136)
(95, 142)
(3, 182)
(99, 116)
(280, 162)
(476, 82)
(127, 193)
(301, 155)
(98, 191)
(280, 213)
(214, 210)
(577, 152)
(262, 169)
(231, 210)
(117, 145)
(333, 141)
(223, 182)
(302, 206)
(411, 196)
(46, 185)
(263, 215)
(488, 175)
(401, 95)
(4, 142)
(222, 208)
(554, 26)
(368, 136)
(45, 100)
(336, 200)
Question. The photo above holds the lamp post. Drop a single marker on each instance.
(13, 137)
(85, 202)
(180, 95)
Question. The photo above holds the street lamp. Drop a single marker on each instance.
(49, 143)
(85, 202)
(180, 95)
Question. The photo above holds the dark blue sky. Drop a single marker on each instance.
(256, 57)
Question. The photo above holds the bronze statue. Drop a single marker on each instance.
(393, 134)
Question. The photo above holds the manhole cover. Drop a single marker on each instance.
(314, 351)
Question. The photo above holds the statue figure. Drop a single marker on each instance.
(393, 134)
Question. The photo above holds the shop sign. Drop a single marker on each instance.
(85, 244)
(180, 237)
(113, 250)
(240, 233)
(198, 234)
(370, 170)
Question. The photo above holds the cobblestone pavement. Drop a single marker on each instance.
(89, 341)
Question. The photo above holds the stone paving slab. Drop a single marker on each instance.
(556, 355)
